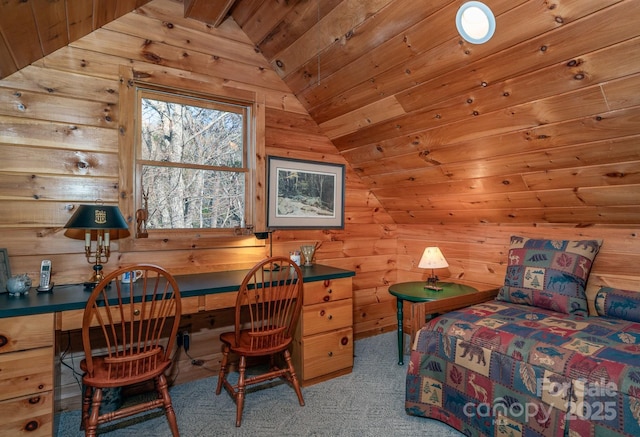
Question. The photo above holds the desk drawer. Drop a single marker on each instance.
(72, 319)
(27, 416)
(26, 372)
(26, 332)
(218, 301)
(327, 290)
(322, 317)
(327, 353)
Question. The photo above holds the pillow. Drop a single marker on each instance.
(621, 304)
(549, 274)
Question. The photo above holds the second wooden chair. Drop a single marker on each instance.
(267, 310)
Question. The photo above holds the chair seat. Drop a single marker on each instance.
(244, 346)
(101, 373)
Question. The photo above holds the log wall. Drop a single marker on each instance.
(59, 123)
(478, 253)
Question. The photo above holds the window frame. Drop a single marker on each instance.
(131, 87)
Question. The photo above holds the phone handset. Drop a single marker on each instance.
(45, 276)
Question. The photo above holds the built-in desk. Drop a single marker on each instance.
(323, 346)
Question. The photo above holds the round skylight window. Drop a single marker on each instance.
(475, 22)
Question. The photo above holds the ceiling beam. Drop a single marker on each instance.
(212, 13)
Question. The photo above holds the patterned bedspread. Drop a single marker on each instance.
(503, 369)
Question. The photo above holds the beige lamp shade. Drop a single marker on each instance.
(432, 258)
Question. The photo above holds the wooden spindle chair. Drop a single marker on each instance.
(267, 310)
(134, 333)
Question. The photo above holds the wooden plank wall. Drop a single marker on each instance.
(477, 254)
(538, 125)
(59, 142)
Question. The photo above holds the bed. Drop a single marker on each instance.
(533, 362)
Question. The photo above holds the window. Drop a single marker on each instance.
(191, 161)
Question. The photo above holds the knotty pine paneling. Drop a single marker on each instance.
(447, 143)
(59, 140)
(407, 102)
(21, 34)
(419, 54)
(216, 44)
(389, 24)
(478, 253)
(64, 83)
(7, 64)
(50, 19)
(208, 12)
(410, 104)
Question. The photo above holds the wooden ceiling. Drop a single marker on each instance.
(31, 29)
(540, 124)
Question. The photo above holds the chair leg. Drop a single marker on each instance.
(91, 427)
(223, 368)
(294, 377)
(240, 394)
(86, 403)
(163, 391)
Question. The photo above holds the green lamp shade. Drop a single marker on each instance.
(95, 217)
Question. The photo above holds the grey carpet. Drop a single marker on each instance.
(367, 402)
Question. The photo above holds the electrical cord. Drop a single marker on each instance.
(76, 375)
(184, 342)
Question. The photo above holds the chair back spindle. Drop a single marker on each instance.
(272, 301)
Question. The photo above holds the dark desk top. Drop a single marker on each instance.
(73, 297)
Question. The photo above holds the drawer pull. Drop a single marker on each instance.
(327, 282)
(321, 313)
(35, 400)
(3, 340)
(326, 298)
(330, 354)
(32, 425)
(344, 341)
(136, 312)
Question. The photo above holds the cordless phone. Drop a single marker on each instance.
(45, 276)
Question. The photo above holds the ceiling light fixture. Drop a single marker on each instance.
(475, 22)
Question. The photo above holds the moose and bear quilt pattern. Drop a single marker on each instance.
(505, 369)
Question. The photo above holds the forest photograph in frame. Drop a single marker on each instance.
(304, 194)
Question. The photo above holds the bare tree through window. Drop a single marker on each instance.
(192, 160)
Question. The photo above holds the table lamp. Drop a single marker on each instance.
(432, 258)
(99, 223)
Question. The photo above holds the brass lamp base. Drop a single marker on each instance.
(97, 273)
(95, 278)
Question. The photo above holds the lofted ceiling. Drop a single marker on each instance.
(540, 124)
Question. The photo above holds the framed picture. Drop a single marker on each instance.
(304, 194)
(5, 270)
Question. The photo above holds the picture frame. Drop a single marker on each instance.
(304, 194)
(5, 270)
